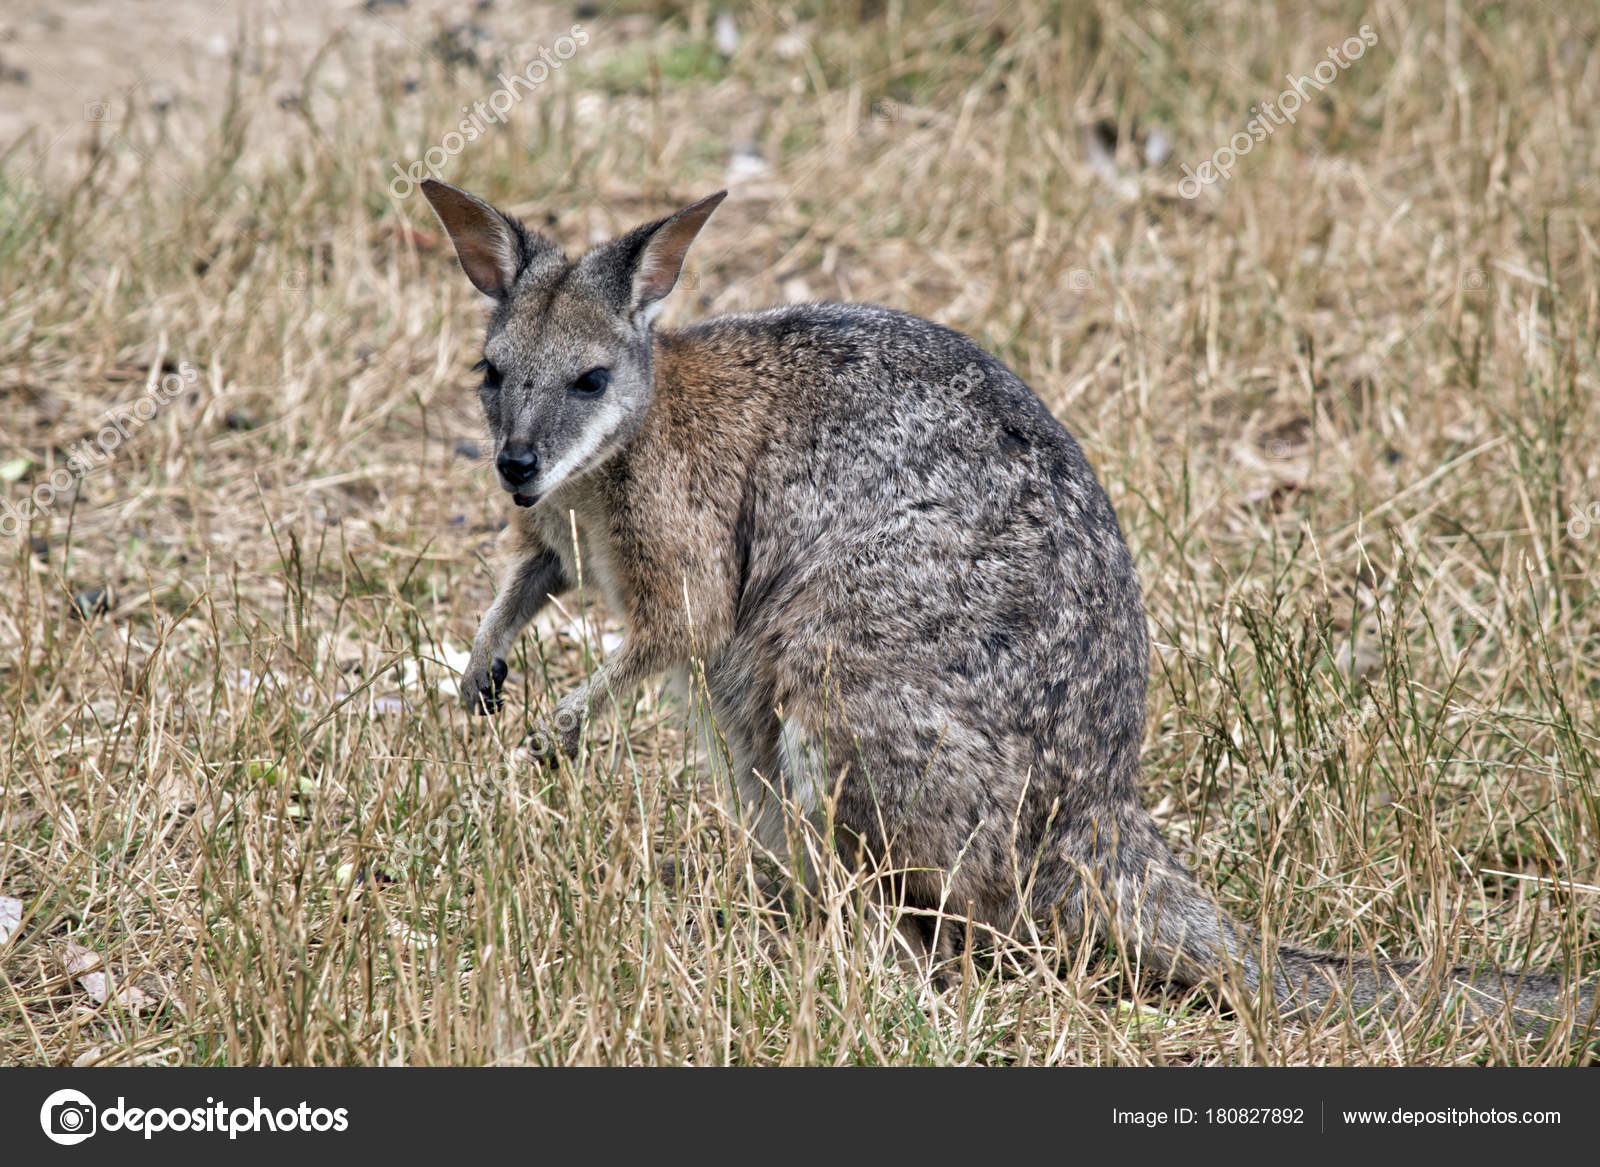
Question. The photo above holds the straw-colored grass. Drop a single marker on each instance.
(1340, 400)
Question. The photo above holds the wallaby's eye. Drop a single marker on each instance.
(593, 383)
(491, 375)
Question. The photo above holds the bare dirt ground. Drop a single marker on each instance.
(72, 73)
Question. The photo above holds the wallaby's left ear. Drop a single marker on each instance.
(640, 268)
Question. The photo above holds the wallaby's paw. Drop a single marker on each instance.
(557, 733)
(570, 712)
(536, 749)
(551, 735)
(480, 687)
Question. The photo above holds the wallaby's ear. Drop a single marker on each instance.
(641, 267)
(493, 248)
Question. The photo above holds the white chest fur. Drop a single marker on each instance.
(592, 560)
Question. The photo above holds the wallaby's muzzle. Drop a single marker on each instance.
(518, 464)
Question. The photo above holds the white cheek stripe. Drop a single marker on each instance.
(604, 423)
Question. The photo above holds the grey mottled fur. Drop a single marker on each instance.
(906, 586)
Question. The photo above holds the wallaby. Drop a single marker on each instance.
(907, 592)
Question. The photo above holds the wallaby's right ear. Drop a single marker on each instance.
(493, 248)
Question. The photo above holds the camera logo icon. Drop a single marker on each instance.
(68, 1117)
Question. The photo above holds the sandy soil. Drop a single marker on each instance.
(71, 72)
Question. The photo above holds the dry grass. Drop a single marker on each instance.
(1340, 402)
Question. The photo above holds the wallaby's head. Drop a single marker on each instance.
(566, 363)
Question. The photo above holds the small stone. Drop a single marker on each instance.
(1157, 148)
(725, 34)
(468, 450)
(91, 602)
(745, 165)
(237, 419)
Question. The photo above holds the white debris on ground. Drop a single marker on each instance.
(94, 978)
(10, 918)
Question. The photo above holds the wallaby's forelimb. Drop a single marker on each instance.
(650, 649)
(531, 583)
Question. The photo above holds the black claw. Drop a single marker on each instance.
(484, 699)
(486, 695)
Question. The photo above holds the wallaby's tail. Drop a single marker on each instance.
(1180, 932)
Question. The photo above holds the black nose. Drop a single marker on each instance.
(518, 462)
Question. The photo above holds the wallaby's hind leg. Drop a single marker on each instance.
(779, 777)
